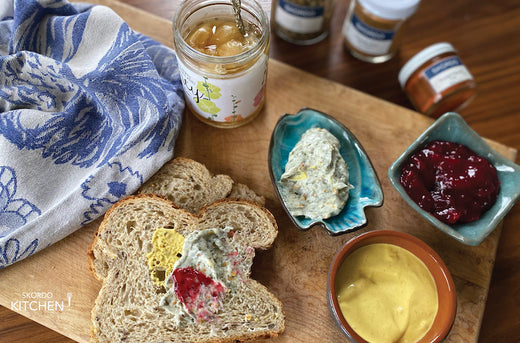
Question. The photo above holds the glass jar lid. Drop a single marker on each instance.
(391, 9)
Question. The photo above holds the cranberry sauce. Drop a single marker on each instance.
(199, 293)
(450, 181)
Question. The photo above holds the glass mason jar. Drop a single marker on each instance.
(302, 22)
(372, 28)
(224, 82)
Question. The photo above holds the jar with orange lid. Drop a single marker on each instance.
(223, 70)
(372, 29)
(436, 81)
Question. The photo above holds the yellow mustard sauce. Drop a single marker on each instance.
(167, 249)
(386, 294)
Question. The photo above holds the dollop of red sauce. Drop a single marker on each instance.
(200, 294)
(450, 181)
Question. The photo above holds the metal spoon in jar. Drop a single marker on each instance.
(238, 17)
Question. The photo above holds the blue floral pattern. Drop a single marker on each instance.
(84, 120)
(111, 190)
(11, 252)
(14, 212)
(89, 110)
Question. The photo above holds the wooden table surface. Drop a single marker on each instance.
(486, 34)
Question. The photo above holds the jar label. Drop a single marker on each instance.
(225, 99)
(299, 19)
(446, 73)
(366, 38)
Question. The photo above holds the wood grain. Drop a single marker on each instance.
(295, 269)
(486, 36)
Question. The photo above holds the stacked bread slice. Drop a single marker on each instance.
(190, 185)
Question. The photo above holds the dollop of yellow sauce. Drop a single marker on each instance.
(386, 294)
(166, 250)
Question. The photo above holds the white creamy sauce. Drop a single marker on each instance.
(315, 183)
(215, 253)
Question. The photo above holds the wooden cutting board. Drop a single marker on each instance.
(56, 289)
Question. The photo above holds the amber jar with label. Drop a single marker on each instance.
(301, 22)
(372, 28)
(223, 71)
(436, 81)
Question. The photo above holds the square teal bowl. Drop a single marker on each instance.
(451, 127)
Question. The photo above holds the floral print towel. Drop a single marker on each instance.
(89, 110)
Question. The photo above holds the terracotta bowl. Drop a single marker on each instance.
(447, 302)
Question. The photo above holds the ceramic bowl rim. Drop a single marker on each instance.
(456, 119)
(441, 275)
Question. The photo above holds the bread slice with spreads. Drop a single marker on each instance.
(128, 307)
(190, 185)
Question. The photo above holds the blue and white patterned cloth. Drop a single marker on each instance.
(89, 110)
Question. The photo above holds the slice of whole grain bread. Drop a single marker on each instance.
(190, 185)
(128, 309)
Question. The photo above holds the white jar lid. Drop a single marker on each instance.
(420, 58)
(391, 9)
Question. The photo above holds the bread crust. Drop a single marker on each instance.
(190, 185)
(90, 250)
(241, 201)
(260, 237)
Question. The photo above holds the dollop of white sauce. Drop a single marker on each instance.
(217, 254)
(315, 183)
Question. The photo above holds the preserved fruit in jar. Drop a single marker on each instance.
(223, 71)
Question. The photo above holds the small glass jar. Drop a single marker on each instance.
(372, 28)
(301, 22)
(436, 81)
(225, 90)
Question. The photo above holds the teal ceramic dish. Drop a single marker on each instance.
(452, 127)
(367, 188)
